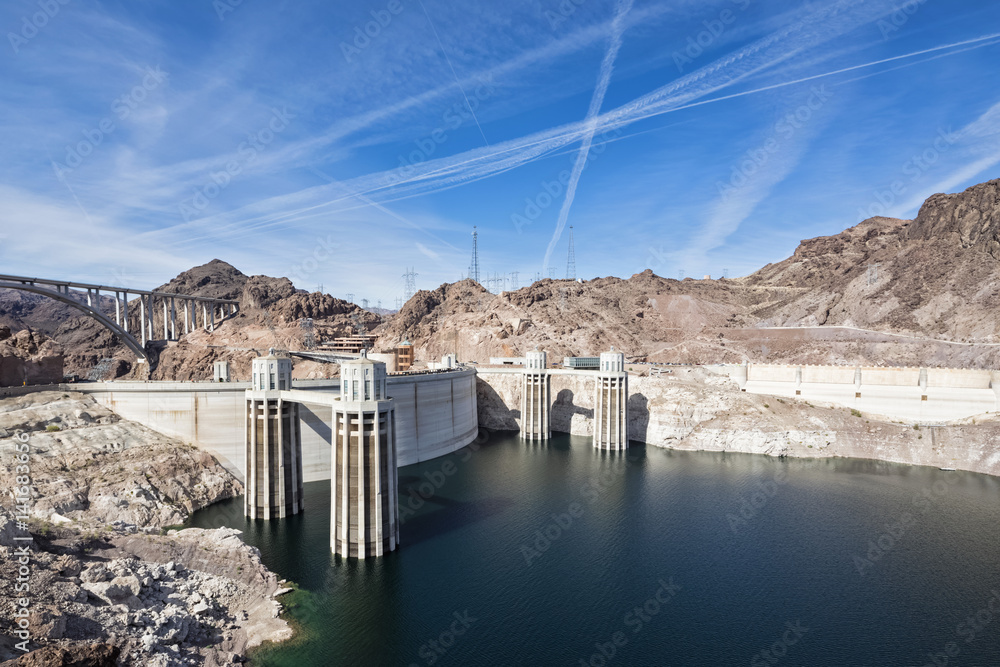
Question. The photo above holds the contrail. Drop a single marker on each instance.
(444, 173)
(603, 80)
(452, 67)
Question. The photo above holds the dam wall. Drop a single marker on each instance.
(435, 414)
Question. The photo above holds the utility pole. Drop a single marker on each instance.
(571, 258)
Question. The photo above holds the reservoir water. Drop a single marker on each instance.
(527, 554)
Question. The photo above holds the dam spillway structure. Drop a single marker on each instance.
(611, 402)
(364, 520)
(536, 393)
(273, 443)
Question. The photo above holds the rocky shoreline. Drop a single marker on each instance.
(93, 555)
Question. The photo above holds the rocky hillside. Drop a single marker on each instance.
(935, 302)
(938, 275)
(103, 490)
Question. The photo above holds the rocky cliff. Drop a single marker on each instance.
(28, 357)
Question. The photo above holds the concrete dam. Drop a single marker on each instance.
(436, 414)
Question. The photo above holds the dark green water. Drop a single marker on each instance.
(658, 567)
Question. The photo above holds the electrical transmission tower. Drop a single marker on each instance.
(513, 281)
(680, 274)
(538, 276)
(725, 273)
(571, 258)
(319, 288)
(474, 267)
(411, 284)
(872, 274)
(552, 273)
(399, 304)
(378, 306)
(364, 304)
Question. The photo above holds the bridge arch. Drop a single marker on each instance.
(106, 321)
(60, 291)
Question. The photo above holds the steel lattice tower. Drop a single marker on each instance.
(571, 258)
(474, 267)
(411, 284)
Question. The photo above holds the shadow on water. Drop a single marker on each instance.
(453, 515)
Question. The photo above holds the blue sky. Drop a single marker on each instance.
(140, 139)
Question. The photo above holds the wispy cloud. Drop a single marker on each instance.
(603, 80)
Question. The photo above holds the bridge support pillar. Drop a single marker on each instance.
(364, 520)
(611, 403)
(536, 391)
(273, 452)
(173, 319)
(142, 317)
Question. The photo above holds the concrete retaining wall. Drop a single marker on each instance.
(895, 393)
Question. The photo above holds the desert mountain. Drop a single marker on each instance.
(934, 301)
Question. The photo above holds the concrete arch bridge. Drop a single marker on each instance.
(87, 299)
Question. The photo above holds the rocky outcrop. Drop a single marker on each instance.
(964, 220)
(102, 491)
(91, 467)
(27, 357)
